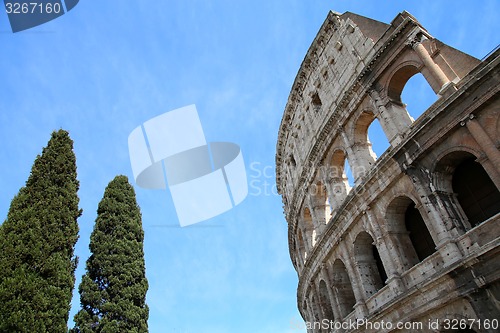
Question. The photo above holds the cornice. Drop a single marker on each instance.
(364, 79)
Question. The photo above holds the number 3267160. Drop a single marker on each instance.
(32, 8)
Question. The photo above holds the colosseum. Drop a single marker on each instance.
(411, 244)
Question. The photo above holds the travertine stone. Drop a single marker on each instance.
(352, 248)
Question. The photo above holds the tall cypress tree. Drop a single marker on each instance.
(37, 262)
(113, 289)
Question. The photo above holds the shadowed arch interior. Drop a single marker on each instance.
(476, 192)
(369, 264)
(343, 288)
(413, 237)
(325, 303)
(418, 232)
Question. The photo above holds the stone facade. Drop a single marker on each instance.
(415, 238)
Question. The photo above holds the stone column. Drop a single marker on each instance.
(356, 283)
(442, 237)
(389, 258)
(359, 158)
(331, 294)
(437, 73)
(337, 188)
(394, 124)
(317, 210)
(453, 215)
(487, 145)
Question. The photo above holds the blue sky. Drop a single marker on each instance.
(106, 67)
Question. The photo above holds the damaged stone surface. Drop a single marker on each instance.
(416, 237)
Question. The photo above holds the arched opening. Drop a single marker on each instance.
(342, 287)
(476, 192)
(443, 180)
(417, 95)
(399, 80)
(336, 178)
(419, 234)
(362, 147)
(411, 235)
(321, 205)
(339, 170)
(409, 87)
(377, 138)
(369, 264)
(325, 304)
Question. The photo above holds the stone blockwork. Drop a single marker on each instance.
(415, 237)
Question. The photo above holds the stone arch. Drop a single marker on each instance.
(360, 126)
(336, 180)
(477, 194)
(417, 96)
(447, 161)
(358, 147)
(472, 191)
(369, 264)
(398, 79)
(412, 236)
(360, 133)
(397, 120)
(342, 287)
(324, 301)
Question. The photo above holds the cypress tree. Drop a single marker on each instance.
(113, 289)
(37, 262)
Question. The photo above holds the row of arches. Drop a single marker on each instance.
(380, 241)
(335, 293)
(470, 188)
(351, 155)
(382, 117)
(363, 271)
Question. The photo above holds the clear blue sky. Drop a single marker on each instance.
(107, 66)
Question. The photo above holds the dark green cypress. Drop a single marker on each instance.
(37, 262)
(113, 289)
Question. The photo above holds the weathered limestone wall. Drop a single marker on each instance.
(400, 244)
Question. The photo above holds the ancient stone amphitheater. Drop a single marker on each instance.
(414, 239)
